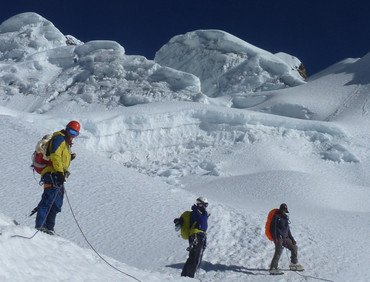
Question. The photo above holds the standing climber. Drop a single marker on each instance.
(198, 237)
(282, 237)
(54, 175)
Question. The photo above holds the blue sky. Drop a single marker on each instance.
(319, 33)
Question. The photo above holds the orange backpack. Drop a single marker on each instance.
(270, 216)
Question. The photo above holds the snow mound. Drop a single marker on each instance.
(95, 73)
(227, 65)
(52, 258)
(28, 33)
(335, 68)
(46, 68)
(360, 70)
(289, 110)
(338, 93)
(180, 140)
(310, 191)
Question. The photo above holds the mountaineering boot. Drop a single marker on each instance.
(275, 271)
(296, 267)
(45, 230)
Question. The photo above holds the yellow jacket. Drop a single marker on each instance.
(60, 154)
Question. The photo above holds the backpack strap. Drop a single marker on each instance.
(54, 143)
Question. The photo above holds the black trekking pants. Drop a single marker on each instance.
(197, 246)
(279, 247)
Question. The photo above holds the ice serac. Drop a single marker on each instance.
(227, 65)
(28, 33)
(42, 65)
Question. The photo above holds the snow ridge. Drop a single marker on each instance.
(177, 143)
(227, 65)
(39, 64)
(27, 33)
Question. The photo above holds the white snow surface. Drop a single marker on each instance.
(38, 61)
(27, 33)
(139, 167)
(227, 65)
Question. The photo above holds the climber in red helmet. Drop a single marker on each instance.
(54, 175)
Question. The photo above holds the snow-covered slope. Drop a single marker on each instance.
(227, 65)
(45, 258)
(339, 93)
(128, 215)
(179, 139)
(139, 167)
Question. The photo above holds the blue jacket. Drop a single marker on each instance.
(199, 216)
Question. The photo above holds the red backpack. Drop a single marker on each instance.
(270, 216)
(40, 157)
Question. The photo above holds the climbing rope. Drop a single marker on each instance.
(38, 230)
(79, 227)
(308, 276)
(91, 246)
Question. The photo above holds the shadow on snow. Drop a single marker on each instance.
(208, 266)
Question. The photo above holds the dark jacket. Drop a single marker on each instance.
(280, 227)
(199, 216)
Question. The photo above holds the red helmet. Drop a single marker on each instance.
(75, 125)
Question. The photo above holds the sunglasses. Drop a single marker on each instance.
(203, 204)
(72, 132)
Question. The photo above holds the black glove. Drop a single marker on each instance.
(73, 156)
(294, 242)
(177, 221)
(34, 211)
(59, 178)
